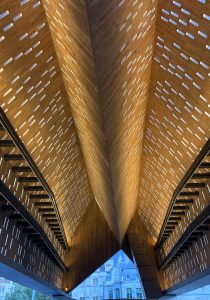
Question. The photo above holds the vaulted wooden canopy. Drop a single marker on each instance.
(110, 98)
(105, 49)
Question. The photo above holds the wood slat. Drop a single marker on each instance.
(177, 123)
(34, 99)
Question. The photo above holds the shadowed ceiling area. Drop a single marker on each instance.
(111, 100)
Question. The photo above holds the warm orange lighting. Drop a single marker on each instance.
(66, 288)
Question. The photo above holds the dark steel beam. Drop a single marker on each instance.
(13, 157)
(42, 203)
(35, 188)
(204, 165)
(28, 179)
(180, 207)
(195, 185)
(20, 169)
(45, 209)
(172, 223)
(50, 219)
(201, 175)
(184, 201)
(175, 218)
(190, 194)
(53, 226)
(197, 233)
(6, 143)
(39, 196)
(177, 213)
(168, 231)
(49, 215)
(2, 127)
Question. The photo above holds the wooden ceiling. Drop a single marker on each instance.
(105, 51)
(178, 117)
(76, 84)
(33, 96)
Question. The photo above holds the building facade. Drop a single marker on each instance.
(4, 286)
(118, 278)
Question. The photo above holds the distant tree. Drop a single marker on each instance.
(19, 292)
(42, 297)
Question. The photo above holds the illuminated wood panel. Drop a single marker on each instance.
(142, 245)
(105, 50)
(93, 243)
(68, 21)
(178, 116)
(33, 96)
(122, 35)
(97, 65)
(31, 259)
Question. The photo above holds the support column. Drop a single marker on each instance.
(142, 246)
(33, 295)
(91, 245)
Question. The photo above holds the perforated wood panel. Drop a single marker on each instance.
(105, 49)
(18, 247)
(93, 243)
(142, 245)
(189, 205)
(17, 189)
(190, 264)
(33, 96)
(179, 109)
(69, 26)
(122, 37)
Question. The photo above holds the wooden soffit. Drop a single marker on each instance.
(178, 119)
(104, 50)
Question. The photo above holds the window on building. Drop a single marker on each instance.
(110, 294)
(117, 293)
(95, 298)
(139, 293)
(129, 293)
(111, 280)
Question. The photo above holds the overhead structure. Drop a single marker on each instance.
(105, 106)
(105, 51)
(178, 116)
